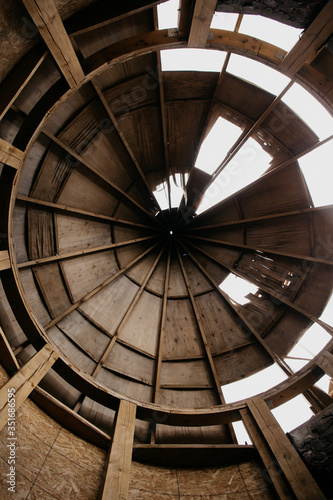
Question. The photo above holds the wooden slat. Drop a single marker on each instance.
(115, 484)
(9, 155)
(4, 260)
(298, 476)
(312, 39)
(202, 19)
(25, 380)
(46, 18)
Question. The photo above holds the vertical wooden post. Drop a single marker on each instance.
(25, 380)
(286, 469)
(118, 463)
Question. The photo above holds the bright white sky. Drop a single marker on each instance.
(250, 162)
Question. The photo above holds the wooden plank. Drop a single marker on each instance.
(118, 464)
(295, 471)
(201, 21)
(7, 357)
(11, 156)
(312, 39)
(25, 380)
(47, 19)
(4, 260)
(325, 361)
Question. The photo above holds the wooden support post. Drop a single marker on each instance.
(201, 21)
(286, 469)
(10, 155)
(25, 380)
(118, 464)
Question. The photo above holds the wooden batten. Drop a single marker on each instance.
(4, 260)
(9, 155)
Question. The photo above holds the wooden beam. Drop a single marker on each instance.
(311, 41)
(25, 380)
(287, 461)
(185, 17)
(11, 156)
(201, 21)
(7, 356)
(115, 483)
(78, 253)
(325, 361)
(65, 208)
(47, 19)
(4, 260)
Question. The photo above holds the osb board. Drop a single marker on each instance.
(33, 295)
(242, 95)
(140, 271)
(143, 132)
(110, 304)
(38, 422)
(241, 363)
(51, 285)
(141, 329)
(86, 191)
(316, 289)
(286, 332)
(75, 232)
(221, 325)
(40, 234)
(84, 274)
(134, 93)
(166, 434)
(185, 121)
(85, 334)
(97, 414)
(289, 234)
(195, 373)
(19, 233)
(31, 163)
(130, 363)
(152, 482)
(71, 351)
(184, 85)
(23, 485)
(182, 337)
(98, 39)
(123, 385)
(197, 280)
(177, 286)
(183, 398)
(8, 321)
(283, 191)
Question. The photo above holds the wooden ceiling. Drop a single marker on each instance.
(90, 126)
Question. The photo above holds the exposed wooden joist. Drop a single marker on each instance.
(91, 167)
(99, 287)
(201, 21)
(66, 208)
(47, 19)
(78, 253)
(311, 41)
(4, 260)
(25, 380)
(115, 483)
(19, 77)
(185, 16)
(290, 465)
(11, 156)
(265, 250)
(7, 357)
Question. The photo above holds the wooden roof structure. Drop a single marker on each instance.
(127, 294)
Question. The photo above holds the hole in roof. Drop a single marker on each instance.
(248, 164)
(310, 110)
(224, 21)
(257, 73)
(216, 145)
(308, 346)
(270, 31)
(177, 183)
(238, 289)
(241, 433)
(192, 60)
(167, 14)
(254, 384)
(317, 170)
(293, 413)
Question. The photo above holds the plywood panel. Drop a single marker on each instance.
(133, 364)
(182, 85)
(287, 332)
(52, 287)
(316, 289)
(109, 305)
(241, 363)
(122, 385)
(139, 272)
(85, 334)
(177, 286)
(182, 337)
(198, 282)
(41, 236)
(226, 256)
(156, 282)
(221, 325)
(188, 373)
(79, 233)
(217, 272)
(323, 226)
(141, 329)
(122, 233)
(34, 159)
(188, 398)
(126, 254)
(34, 297)
(19, 233)
(84, 274)
(224, 212)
